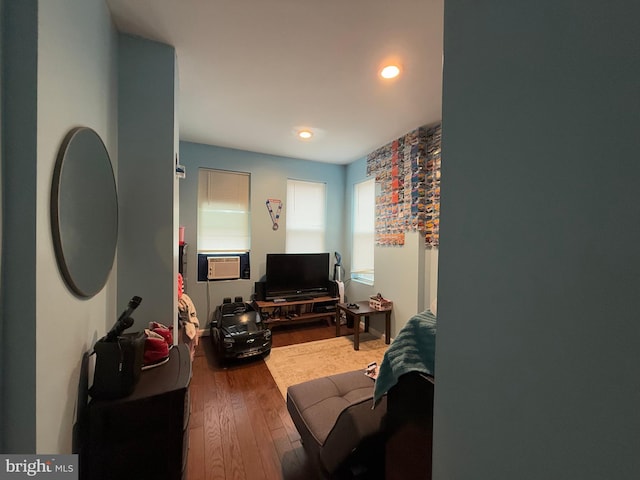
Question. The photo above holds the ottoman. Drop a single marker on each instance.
(336, 420)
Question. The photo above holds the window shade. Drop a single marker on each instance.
(363, 231)
(306, 217)
(223, 211)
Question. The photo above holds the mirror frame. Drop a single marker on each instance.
(84, 212)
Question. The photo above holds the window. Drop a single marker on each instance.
(223, 211)
(364, 207)
(306, 217)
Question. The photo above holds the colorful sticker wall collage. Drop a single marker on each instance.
(408, 172)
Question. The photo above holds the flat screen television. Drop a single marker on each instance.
(295, 275)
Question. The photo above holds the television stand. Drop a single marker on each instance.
(298, 310)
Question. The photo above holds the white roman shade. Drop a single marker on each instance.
(363, 231)
(223, 211)
(306, 216)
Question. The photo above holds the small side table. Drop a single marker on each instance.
(363, 310)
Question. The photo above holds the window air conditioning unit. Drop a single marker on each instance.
(221, 268)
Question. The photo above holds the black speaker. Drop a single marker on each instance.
(260, 291)
(332, 288)
(118, 366)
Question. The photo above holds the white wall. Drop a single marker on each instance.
(538, 358)
(77, 76)
(406, 274)
(400, 276)
(431, 275)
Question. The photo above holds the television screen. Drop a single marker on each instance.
(297, 274)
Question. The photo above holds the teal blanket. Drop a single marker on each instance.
(412, 350)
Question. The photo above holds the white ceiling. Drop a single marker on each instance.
(252, 71)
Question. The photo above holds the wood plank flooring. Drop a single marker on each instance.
(239, 426)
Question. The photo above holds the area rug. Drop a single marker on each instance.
(305, 361)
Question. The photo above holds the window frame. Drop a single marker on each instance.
(358, 274)
(290, 238)
(203, 245)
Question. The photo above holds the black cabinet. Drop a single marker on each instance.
(144, 435)
(409, 427)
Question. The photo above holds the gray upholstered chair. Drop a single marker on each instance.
(335, 419)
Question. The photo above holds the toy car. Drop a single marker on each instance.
(237, 331)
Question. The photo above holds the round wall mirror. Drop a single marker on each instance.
(84, 212)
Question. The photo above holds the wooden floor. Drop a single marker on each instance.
(239, 424)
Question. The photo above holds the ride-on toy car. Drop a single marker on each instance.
(237, 331)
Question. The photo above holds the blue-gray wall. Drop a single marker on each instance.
(147, 185)
(19, 163)
(269, 176)
(1, 220)
(2, 29)
(538, 357)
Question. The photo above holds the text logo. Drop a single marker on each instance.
(52, 467)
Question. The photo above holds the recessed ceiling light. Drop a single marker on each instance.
(390, 71)
(305, 134)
